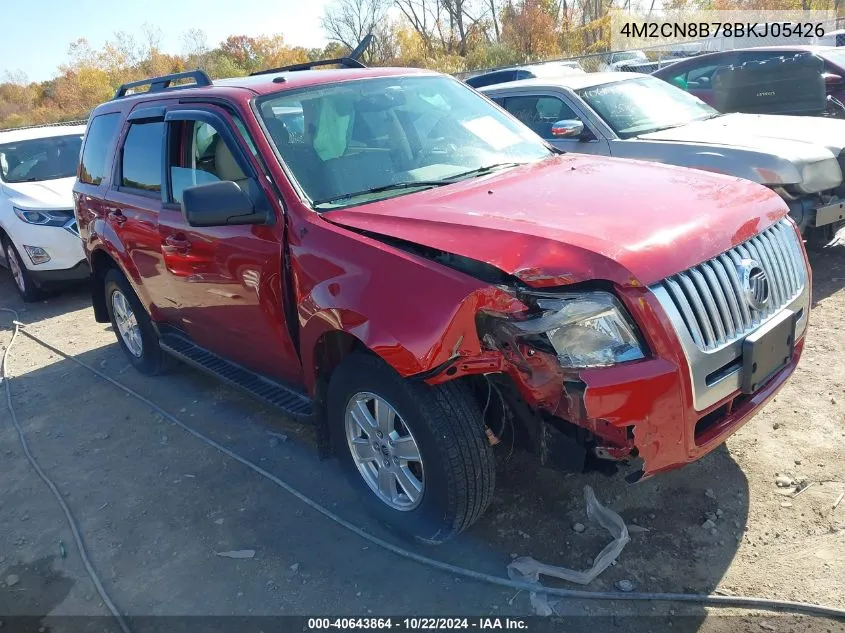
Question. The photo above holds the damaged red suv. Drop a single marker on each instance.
(387, 255)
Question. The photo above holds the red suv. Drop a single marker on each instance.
(386, 254)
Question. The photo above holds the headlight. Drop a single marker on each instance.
(43, 218)
(820, 176)
(584, 330)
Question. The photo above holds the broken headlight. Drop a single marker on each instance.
(820, 176)
(584, 330)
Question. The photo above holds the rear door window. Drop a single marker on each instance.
(98, 142)
(141, 158)
(700, 77)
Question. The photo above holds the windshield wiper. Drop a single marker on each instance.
(410, 184)
(480, 171)
(674, 125)
(421, 184)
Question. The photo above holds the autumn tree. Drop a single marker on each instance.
(347, 22)
(529, 29)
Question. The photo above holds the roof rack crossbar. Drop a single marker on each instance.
(345, 62)
(165, 82)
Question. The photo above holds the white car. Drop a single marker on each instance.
(40, 241)
(623, 60)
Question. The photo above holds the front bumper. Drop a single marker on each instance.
(670, 432)
(63, 246)
(686, 398)
(58, 277)
(808, 212)
(646, 409)
(829, 213)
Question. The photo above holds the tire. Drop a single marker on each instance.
(816, 239)
(141, 347)
(456, 467)
(21, 277)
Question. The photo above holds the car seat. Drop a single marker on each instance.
(227, 167)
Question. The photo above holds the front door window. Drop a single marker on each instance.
(540, 113)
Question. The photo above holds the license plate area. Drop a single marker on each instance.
(830, 213)
(767, 351)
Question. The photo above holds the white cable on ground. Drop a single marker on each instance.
(77, 535)
(573, 594)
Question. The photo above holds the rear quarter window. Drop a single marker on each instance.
(98, 142)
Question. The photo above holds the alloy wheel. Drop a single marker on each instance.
(15, 266)
(127, 324)
(385, 451)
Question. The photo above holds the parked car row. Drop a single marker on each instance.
(548, 69)
(783, 79)
(794, 80)
(629, 115)
(391, 257)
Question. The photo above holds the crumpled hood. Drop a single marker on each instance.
(799, 139)
(46, 194)
(575, 218)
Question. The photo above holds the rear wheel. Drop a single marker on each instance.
(418, 455)
(133, 327)
(20, 273)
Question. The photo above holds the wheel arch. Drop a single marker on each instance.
(319, 360)
(3, 237)
(101, 263)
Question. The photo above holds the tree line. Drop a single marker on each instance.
(452, 36)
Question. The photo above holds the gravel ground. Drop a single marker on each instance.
(156, 505)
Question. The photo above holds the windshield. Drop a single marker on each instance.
(396, 135)
(40, 159)
(639, 106)
(836, 56)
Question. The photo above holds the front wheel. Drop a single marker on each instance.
(132, 325)
(418, 455)
(20, 273)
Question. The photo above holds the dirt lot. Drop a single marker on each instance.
(155, 504)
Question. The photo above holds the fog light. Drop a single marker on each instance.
(37, 254)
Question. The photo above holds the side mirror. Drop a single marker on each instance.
(569, 128)
(221, 203)
(831, 78)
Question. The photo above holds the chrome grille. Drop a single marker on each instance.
(710, 297)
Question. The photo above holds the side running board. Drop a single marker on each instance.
(293, 403)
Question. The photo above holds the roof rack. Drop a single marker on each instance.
(344, 62)
(350, 61)
(158, 84)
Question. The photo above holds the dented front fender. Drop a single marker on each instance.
(391, 304)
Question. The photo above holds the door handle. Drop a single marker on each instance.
(117, 216)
